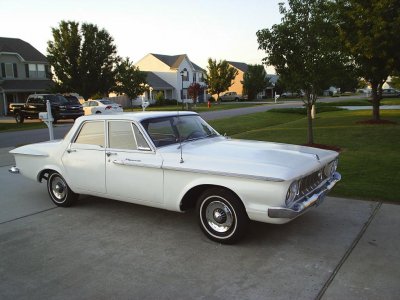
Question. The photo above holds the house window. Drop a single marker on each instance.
(185, 72)
(9, 70)
(32, 70)
(194, 77)
(41, 71)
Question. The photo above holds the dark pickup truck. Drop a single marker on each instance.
(61, 108)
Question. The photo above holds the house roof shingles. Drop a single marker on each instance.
(156, 82)
(24, 49)
(239, 65)
(172, 61)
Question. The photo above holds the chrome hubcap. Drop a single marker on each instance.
(219, 216)
(59, 188)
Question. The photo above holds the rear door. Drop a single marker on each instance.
(84, 160)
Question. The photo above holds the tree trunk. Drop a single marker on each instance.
(375, 102)
(310, 135)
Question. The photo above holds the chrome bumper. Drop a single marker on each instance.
(13, 170)
(302, 206)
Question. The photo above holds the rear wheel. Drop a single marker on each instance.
(19, 118)
(222, 216)
(59, 191)
(98, 112)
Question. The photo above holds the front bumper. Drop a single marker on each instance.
(300, 207)
(13, 170)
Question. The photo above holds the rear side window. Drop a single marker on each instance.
(92, 133)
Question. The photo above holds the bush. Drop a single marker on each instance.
(160, 99)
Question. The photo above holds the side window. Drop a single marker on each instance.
(92, 133)
(120, 135)
(30, 100)
(140, 140)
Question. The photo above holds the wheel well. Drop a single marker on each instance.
(190, 198)
(44, 174)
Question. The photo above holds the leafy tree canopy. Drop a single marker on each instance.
(129, 79)
(254, 81)
(369, 31)
(304, 48)
(219, 76)
(194, 90)
(83, 58)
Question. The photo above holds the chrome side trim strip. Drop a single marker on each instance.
(238, 175)
(135, 163)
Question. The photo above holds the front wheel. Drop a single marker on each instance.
(222, 216)
(59, 191)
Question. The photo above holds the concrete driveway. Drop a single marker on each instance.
(104, 249)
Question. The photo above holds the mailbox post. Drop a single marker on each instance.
(47, 118)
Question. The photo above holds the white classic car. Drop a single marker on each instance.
(176, 161)
(101, 106)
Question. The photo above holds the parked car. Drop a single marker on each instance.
(36, 103)
(292, 95)
(101, 106)
(390, 93)
(72, 99)
(176, 161)
(230, 96)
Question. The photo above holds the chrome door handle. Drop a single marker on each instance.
(110, 153)
(71, 150)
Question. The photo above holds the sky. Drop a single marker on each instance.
(220, 29)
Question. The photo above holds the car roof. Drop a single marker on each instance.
(137, 116)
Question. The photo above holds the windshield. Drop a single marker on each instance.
(72, 99)
(106, 101)
(56, 99)
(171, 130)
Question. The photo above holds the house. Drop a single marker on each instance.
(24, 70)
(237, 85)
(171, 74)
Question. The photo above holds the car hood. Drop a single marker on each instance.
(266, 160)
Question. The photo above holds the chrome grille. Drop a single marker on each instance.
(310, 182)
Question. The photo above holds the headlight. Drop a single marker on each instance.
(292, 192)
(331, 168)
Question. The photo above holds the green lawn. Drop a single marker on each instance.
(369, 160)
(362, 102)
(24, 126)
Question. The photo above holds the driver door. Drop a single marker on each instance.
(133, 169)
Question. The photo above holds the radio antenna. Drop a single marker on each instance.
(180, 140)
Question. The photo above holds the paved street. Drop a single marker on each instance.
(104, 249)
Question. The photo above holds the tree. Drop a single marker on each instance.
(395, 82)
(369, 31)
(194, 91)
(129, 79)
(255, 80)
(83, 59)
(304, 49)
(219, 76)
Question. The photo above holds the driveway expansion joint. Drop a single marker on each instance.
(349, 251)
(28, 215)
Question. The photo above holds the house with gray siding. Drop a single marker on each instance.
(23, 71)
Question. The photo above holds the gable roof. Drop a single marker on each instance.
(239, 65)
(197, 68)
(24, 49)
(156, 82)
(173, 61)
